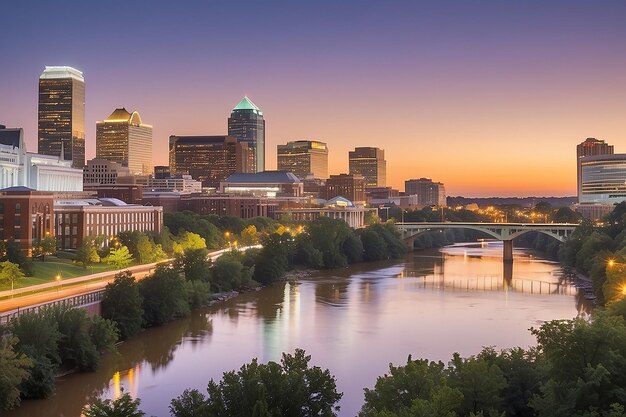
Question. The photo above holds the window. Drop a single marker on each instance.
(18, 208)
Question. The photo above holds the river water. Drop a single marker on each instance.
(353, 321)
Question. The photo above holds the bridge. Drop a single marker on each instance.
(505, 232)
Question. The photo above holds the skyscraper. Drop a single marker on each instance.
(428, 193)
(350, 186)
(369, 162)
(304, 157)
(247, 125)
(125, 139)
(590, 147)
(210, 159)
(61, 115)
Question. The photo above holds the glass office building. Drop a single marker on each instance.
(61, 114)
(125, 139)
(210, 159)
(247, 125)
(603, 179)
(369, 162)
(590, 147)
(304, 158)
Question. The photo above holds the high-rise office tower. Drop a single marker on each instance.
(61, 114)
(210, 159)
(304, 158)
(428, 193)
(350, 186)
(590, 147)
(369, 162)
(247, 125)
(125, 139)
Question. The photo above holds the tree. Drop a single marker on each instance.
(146, 249)
(229, 273)
(124, 406)
(195, 264)
(122, 303)
(87, 253)
(371, 217)
(103, 333)
(290, 388)
(45, 246)
(14, 369)
(120, 258)
(272, 260)
(10, 273)
(249, 236)
(188, 240)
(16, 255)
(165, 297)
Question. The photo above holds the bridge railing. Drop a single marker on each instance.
(80, 300)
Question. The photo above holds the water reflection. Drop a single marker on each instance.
(353, 321)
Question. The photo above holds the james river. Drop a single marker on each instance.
(354, 321)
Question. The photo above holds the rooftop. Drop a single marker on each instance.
(124, 116)
(263, 177)
(10, 137)
(53, 72)
(247, 104)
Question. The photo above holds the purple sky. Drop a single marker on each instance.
(488, 97)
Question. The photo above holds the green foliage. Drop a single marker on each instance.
(373, 246)
(272, 260)
(586, 362)
(103, 333)
(191, 403)
(195, 264)
(249, 236)
(328, 236)
(14, 254)
(120, 258)
(10, 273)
(14, 369)
(87, 253)
(290, 388)
(122, 303)
(353, 249)
(179, 222)
(188, 240)
(165, 297)
(45, 246)
(229, 273)
(75, 347)
(124, 406)
(412, 390)
(199, 293)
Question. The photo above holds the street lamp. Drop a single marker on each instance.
(58, 279)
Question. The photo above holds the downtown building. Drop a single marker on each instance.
(590, 147)
(304, 158)
(125, 139)
(61, 114)
(19, 168)
(209, 159)
(428, 193)
(247, 125)
(348, 186)
(370, 163)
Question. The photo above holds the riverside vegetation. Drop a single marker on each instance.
(36, 347)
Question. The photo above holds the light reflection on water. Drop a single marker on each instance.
(353, 321)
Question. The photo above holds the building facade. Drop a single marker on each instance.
(590, 147)
(369, 162)
(603, 179)
(25, 216)
(125, 139)
(61, 114)
(209, 159)
(337, 208)
(247, 125)
(304, 158)
(244, 207)
(103, 172)
(269, 184)
(349, 186)
(74, 220)
(182, 183)
(19, 168)
(428, 193)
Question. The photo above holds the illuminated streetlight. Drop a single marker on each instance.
(58, 279)
(611, 262)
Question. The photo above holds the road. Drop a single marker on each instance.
(22, 301)
(82, 285)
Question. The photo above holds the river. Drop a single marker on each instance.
(353, 321)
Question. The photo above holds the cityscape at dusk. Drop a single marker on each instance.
(302, 209)
(487, 98)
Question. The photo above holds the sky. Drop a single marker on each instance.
(488, 97)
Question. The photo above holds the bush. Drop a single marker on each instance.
(122, 303)
(165, 297)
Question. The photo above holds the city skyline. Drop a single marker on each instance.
(486, 115)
